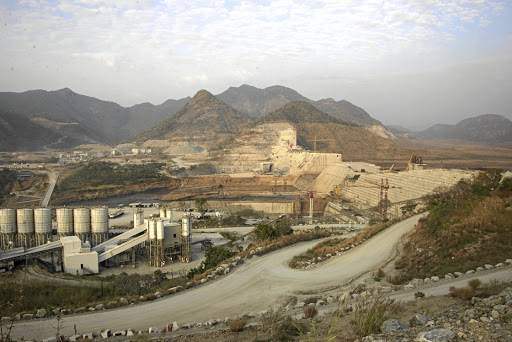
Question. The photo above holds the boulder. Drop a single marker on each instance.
(123, 301)
(179, 288)
(435, 279)
(153, 330)
(470, 272)
(173, 290)
(90, 335)
(479, 269)
(106, 333)
(436, 335)
(449, 276)
(458, 274)
(50, 339)
(418, 319)
(80, 310)
(130, 332)
(41, 313)
(28, 316)
(65, 311)
(488, 266)
(74, 338)
(6, 320)
(392, 325)
(99, 307)
(119, 333)
(158, 294)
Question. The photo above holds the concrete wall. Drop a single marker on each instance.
(76, 262)
(265, 207)
(81, 263)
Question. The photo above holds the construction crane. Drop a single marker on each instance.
(315, 140)
(409, 163)
(389, 170)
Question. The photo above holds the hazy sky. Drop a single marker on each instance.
(412, 63)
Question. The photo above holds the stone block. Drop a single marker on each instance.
(418, 319)
(106, 333)
(436, 335)
(392, 325)
(41, 313)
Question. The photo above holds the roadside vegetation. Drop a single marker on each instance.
(31, 295)
(329, 247)
(7, 178)
(468, 225)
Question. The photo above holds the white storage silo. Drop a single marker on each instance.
(160, 233)
(99, 225)
(162, 212)
(186, 225)
(8, 228)
(25, 222)
(64, 222)
(152, 229)
(168, 215)
(82, 223)
(138, 218)
(186, 230)
(43, 225)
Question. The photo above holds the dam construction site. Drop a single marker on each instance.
(211, 245)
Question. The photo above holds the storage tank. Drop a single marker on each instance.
(162, 212)
(99, 220)
(43, 221)
(186, 225)
(168, 214)
(99, 225)
(25, 220)
(8, 228)
(138, 218)
(8, 221)
(160, 233)
(64, 221)
(43, 225)
(82, 223)
(152, 229)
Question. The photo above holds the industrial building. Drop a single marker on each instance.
(83, 241)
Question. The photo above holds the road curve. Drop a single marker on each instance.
(253, 287)
(52, 180)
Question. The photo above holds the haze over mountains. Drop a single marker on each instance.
(38, 119)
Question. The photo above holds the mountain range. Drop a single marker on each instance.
(490, 129)
(39, 119)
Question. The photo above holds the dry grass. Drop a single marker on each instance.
(310, 312)
(237, 324)
(370, 314)
(475, 283)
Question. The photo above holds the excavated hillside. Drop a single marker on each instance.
(333, 135)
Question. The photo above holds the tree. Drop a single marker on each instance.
(201, 205)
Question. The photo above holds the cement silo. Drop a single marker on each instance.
(8, 228)
(138, 218)
(186, 230)
(25, 221)
(152, 241)
(168, 214)
(162, 212)
(64, 222)
(99, 225)
(82, 223)
(43, 225)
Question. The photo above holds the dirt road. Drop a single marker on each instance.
(253, 287)
(52, 180)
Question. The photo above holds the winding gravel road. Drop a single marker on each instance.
(253, 287)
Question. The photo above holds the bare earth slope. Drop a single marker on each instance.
(251, 288)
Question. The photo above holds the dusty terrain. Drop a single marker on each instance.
(258, 285)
